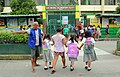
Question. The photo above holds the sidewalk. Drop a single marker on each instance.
(107, 66)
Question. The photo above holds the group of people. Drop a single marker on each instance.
(59, 41)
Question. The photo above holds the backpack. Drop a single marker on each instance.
(73, 50)
(88, 46)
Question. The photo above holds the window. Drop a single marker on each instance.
(118, 1)
(110, 2)
(52, 2)
(39, 2)
(66, 1)
(90, 2)
(112, 20)
(7, 2)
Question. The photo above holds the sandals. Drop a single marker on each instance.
(53, 71)
(64, 67)
(37, 65)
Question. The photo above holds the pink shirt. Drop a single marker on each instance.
(58, 45)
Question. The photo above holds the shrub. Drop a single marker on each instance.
(118, 33)
(8, 37)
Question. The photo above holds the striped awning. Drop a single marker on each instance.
(30, 15)
(108, 15)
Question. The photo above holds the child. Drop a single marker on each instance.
(73, 51)
(47, 51)
(89, 52)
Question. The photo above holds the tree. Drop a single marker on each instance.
(1, 6)
(117, 10)
(23, 7)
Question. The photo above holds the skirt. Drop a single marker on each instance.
(73, 59)
(90, 57)
(47, 56)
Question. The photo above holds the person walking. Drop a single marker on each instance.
(47, 53)
(98, 32)
(34, 42)
(73, 50)
(66, 31)
(89, 52)
(107, 31)
(59, 41)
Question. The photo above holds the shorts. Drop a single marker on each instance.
(35, 52)
(59, 53)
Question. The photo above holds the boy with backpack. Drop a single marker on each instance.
(73, 51)
(89, 52)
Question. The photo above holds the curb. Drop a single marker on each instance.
(17, 57)
(116, 53)
(109, 39)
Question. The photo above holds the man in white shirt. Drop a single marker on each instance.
(35, 40)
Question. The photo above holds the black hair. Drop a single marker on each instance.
(46, 36)
(98, 26)
(87, 34)
(58, 30)
(72, 38)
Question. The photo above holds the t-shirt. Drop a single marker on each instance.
(58, 44)
(71, 42)
(48, 43)
(37, 35)
(92, 40)
(91, 30)
(65, 30)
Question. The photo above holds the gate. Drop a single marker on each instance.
(54, 21)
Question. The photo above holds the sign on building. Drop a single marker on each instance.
(64, 19)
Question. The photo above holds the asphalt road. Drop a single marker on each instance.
(107, 65)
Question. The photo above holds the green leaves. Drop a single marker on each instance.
(117, 10)
(8, 37)
(23, 7)
(118, 33)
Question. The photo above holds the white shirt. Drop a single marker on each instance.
(58, 44)
(37, 35)
(92, 40)
(48, 43)
(70, 42)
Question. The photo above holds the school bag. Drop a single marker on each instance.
(73, 50)
(44, 46)
(88, 46)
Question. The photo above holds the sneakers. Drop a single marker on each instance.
(45, 68)
(50, 66)
(87, 68)
(71, 68)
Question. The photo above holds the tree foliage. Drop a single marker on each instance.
(117, 10)
(23, 7)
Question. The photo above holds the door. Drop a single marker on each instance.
(55, 20)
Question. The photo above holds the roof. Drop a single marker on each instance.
(8, 9)
(108, 15)
(30, 15)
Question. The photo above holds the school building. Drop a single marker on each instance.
(56, 13)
